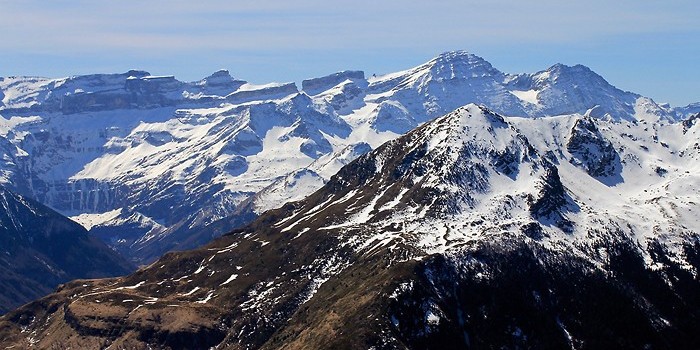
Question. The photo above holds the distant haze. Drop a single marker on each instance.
(647, 47)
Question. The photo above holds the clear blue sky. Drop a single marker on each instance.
(650, 47)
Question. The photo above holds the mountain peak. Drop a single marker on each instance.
(137, 73)
(577, 71)
(460, 64)
(315, 86)
(457, 54)
(441, 167)
(221, 73)
(220, 77)
(473, 113)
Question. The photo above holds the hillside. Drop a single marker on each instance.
(39, 249)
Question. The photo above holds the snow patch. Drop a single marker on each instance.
(233, 277)
(529, 96)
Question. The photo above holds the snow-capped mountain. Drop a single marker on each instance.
(456, 78)
(146, 162)
(688, 111)
(473, 230)
(139, 174)
(39, 249)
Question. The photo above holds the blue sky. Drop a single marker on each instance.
(650, 47)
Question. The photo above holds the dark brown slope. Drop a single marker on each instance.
(39, 249)
(291, 281)
(283, 271)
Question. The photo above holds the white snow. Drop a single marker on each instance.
(226, 249)
(529, 96)
(195, 289)
(89, 220)
(301, 232)
(231, 278)
(132, 287)
(431, 318)
(201, 268)
(253, 87)
(208, 297)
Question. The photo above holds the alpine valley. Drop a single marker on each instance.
(446, 206)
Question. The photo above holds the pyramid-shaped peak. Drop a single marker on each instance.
(576, 75)
(461, 64)
(458, 55)
(474, 116)
(567, 68)
(471, 109)
(560, 69)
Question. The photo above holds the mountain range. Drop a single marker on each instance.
(151, 164)
(473, 230)
(447, 205)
